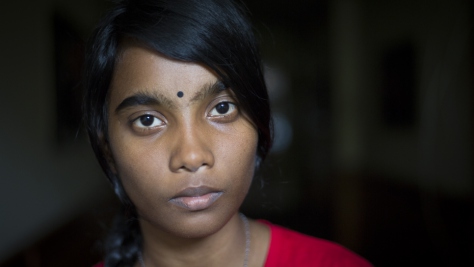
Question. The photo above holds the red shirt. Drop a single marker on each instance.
(292, 249)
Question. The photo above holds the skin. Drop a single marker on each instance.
(167, 143)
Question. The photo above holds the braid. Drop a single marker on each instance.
(214, 33)
(123, 242)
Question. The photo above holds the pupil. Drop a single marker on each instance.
(222, 108)
(146, 120)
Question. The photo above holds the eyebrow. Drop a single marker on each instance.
(208, 90)
(144, 99)
(157, 99)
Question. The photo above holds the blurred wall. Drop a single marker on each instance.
(403, 113)
(44, 182)
(342, 136)
(434, 149)
(379, 99)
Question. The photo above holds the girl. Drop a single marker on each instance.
(178, 116)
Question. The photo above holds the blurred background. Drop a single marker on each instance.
(373, 106)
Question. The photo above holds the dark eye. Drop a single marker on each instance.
(147, 121)
(223, 108)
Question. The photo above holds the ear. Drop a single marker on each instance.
(105, 147)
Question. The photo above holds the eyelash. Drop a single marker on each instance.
(230, 112)
(138, 123)
(229, 109)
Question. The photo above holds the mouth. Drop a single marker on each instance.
(196, 198)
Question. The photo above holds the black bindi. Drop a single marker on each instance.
(180, 94)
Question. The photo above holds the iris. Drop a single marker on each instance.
(147, 120)
(222, 108)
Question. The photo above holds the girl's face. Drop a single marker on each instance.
(183, 150)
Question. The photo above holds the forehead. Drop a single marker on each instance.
(141, 70)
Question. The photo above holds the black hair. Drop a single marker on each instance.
(214, 33)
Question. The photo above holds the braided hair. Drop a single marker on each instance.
(214, 33)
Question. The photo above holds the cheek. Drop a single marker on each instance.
(143, 166)
(240, 155)
(136, 165)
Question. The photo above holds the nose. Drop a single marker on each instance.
(192, 151)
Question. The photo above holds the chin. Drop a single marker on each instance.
(192, 225)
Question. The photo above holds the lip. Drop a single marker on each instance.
(196, 198)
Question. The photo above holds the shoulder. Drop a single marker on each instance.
(290, 248)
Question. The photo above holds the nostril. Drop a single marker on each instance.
(192, 167)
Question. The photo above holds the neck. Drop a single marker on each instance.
(161, 248)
